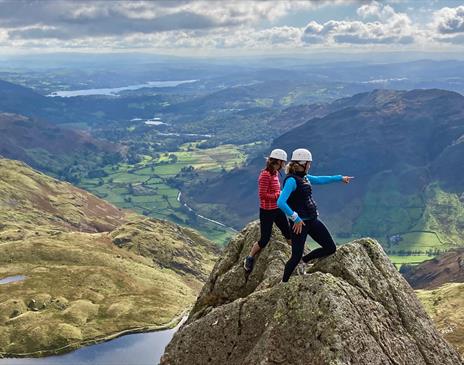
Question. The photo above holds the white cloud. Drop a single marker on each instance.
(448, 25)
(152, 24)
(372, 9)
(449, 20)
(197, 25)
(76, 19)
(242, 38)
(388, 27)
(288, 36)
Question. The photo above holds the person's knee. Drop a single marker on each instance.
(332, 249)
(265, 238)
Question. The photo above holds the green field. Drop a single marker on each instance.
(420, 241)
(144, 187)
(413, 225)
(415, 247)
(398, 261)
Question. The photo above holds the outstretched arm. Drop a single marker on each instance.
(320, 180)
(289, 187)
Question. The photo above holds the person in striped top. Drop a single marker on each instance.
(269, 212)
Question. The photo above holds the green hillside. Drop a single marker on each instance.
(444, 306)
(91, 270)
(405, 149)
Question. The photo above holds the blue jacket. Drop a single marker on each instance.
(290, 186)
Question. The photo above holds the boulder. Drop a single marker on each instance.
(228, 280)
(351, 308)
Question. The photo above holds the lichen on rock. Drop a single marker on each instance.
(351, 308)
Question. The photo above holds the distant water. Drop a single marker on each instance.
(186, 134)
(155, 122)
(12, 279)
(137, 349)
(115, 90)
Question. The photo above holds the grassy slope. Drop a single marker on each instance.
(91, 269)
(31, 200)
(445, 305)
(428, 222)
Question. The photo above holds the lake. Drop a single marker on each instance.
(115, 90)
(12, 279)
(136, 349)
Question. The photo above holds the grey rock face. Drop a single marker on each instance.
(352, 308)
(228, 280)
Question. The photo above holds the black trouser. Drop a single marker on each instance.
(267, 219)
(319, 233)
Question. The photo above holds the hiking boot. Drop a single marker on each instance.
(248, 263)
(301, 268)
(308, 267)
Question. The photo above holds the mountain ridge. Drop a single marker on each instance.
(61, 152)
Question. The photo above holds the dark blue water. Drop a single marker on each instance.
(137, 349)
(12, 279)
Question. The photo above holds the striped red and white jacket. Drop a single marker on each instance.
(268, 190)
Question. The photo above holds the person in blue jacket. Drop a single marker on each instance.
(297, 202)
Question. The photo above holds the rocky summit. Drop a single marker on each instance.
(350, 308)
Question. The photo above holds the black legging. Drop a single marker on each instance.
(319, 233)
(266, 219)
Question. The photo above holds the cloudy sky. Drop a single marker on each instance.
(209, 27)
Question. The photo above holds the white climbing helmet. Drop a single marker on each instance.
(301, 154)
(278, 154)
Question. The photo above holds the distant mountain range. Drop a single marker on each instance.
(405, 149)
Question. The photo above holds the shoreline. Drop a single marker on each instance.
(95, 341)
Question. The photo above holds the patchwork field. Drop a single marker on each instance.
(415, 247)
(146, 187)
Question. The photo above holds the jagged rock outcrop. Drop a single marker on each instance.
(227, 282)
(352, 308)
